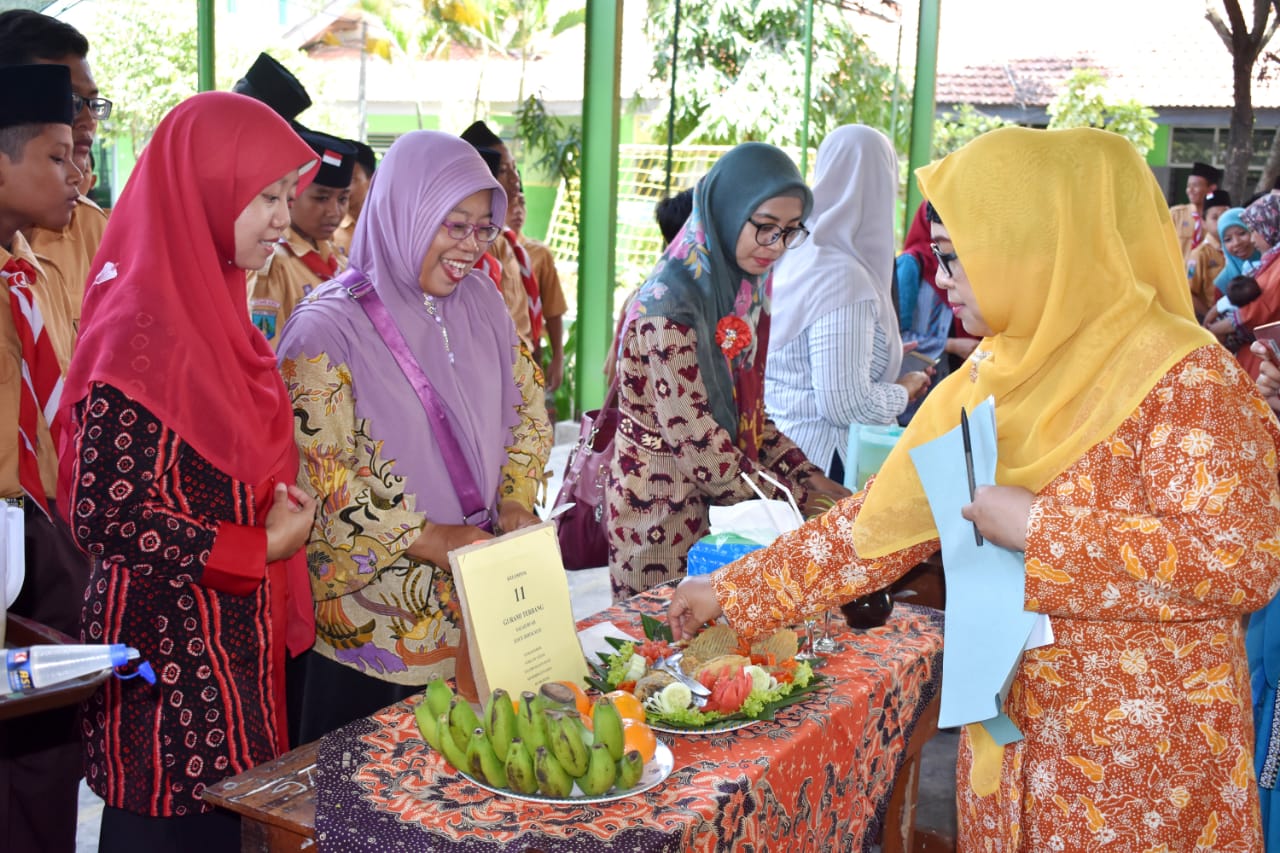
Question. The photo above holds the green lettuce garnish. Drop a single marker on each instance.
(618, 664)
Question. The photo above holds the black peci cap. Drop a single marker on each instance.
(1217, 198)
(273, 84)
(1204, 170)
(364, 155)
(492, 159)
(480, 136)
(35, 94)
(337, 158)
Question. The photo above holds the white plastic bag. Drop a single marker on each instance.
(760, 521)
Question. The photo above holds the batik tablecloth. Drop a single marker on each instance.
(818, 777)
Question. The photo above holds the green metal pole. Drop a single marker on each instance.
(204, 45)
(808, 77)
(598, 226)
(922, 102)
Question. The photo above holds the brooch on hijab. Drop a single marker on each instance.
(733, 335)
(976, 358)
(430, 301)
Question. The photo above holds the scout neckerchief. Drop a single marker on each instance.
(530, 283)
(41, 378)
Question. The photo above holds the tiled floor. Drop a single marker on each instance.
(589, 591)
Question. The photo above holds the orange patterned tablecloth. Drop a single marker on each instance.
(818, 777)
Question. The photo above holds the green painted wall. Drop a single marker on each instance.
(1159, 153)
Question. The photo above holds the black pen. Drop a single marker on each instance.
(968, 464)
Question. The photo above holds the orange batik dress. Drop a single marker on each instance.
(1145, 552)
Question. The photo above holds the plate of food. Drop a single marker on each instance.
(658, 769)
(717, 682)
(549, 746)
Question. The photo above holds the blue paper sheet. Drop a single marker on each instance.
(986, 626)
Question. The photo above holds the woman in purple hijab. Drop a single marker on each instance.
(405, 375)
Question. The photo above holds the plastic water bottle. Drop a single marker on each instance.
(40, 666)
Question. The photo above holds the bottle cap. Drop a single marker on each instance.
(122, 654)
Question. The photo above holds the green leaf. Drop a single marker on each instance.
(656, 629)
(569, 20)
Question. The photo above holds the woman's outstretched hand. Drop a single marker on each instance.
(693, 604)
(288, 521)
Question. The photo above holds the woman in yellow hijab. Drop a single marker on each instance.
(1138, 474)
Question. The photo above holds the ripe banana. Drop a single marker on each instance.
(608, 727)
(438, 695)
(630, 769)
(500, 722)
(601, 772)
(519, 768)
(428, 724)
(530, 725)
(483, 761)
(565, 731)
(462, 720)
(552, 778)
(452, 751)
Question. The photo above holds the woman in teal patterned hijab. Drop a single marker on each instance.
(691, 371)
(718, 268)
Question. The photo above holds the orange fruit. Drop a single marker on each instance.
(580, 700)
(629, 707)
(640, 737)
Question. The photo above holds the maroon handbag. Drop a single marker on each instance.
(581, 529)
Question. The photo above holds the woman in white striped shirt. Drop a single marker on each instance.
(835, 352)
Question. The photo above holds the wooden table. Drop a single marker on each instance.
(278, 800)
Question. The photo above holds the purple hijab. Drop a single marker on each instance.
(421, 178)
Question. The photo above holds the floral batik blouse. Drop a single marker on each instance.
(377, 609)
(1145, 552)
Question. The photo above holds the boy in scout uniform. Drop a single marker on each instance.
(306, 255)
(40, 766)
(366, 162)
(64, 254)
(1188, 219)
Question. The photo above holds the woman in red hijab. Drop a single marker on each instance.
(176, 471)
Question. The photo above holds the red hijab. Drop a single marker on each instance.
(918, 242)
(165, 318)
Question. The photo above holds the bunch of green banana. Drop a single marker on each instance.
(531, 726)
(601, 772)
(500, 722)
(608, 727)
(484, 760)
(519, 766)
(542, 745)
(630, 769)
(568, 741)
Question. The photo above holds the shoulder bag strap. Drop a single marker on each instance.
(476, 510)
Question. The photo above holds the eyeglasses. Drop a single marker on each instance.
(99, 108)
(485, 232)
(944, 259)
(767, 234)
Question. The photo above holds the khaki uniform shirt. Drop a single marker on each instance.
(513, 290)
(49, 303)
(543, 264)
(1184, 224)
(1203, 266)
(275, 289)
(65, 257)
(342, 237)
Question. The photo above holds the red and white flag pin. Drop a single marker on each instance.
(331, 158)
